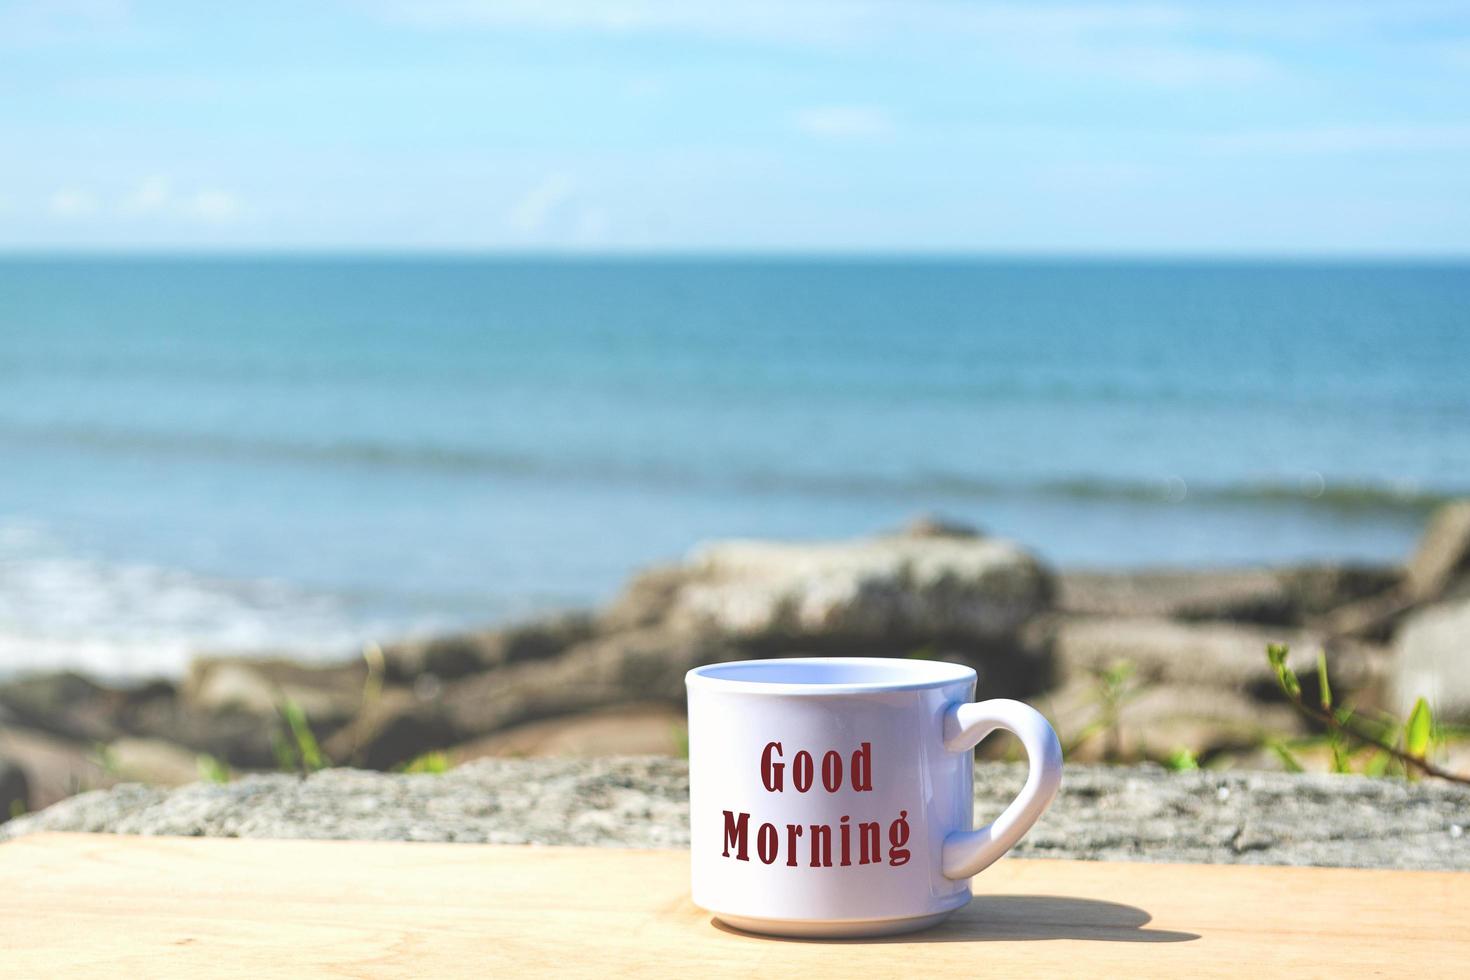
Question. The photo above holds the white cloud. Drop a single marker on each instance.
(214, 206)
(591, 227)
(536, 209)
(153, 199)
(151, 196)
(556, 212)
(844, 122)
(72, 202)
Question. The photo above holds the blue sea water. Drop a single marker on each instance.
(305, 453)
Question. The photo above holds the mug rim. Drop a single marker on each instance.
(925, 674)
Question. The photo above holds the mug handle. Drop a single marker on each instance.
(969, 852)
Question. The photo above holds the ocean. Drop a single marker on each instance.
(303, 454)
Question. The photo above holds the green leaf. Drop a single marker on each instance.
(1285, 676)
(1378, 765)
(434, 763)
(1418, 730)
(1341, 763)
(1325, 687)
(1288, 760)
(212, 769)
(284, 753)
(307, 749)
(1182, 760)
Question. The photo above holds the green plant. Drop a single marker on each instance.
(681, 740)
(105, 758)
(296, 750)
(1115, 687)
(434, 763)
(1384, 745)
(1181, 760)
(17, 809)
(212, 769)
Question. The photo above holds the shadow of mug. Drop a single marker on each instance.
(1028, 918)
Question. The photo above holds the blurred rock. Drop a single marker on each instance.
(15, 791)
(1155, 721)
(63, 703)
(887, 591)
(239, 738)
(151, 760)
(1315, 590)
(460, 654)
(628, 667)
(327, 695)
(1291, 596)
(1433, 661)
(634, 729)
(1440, 568)
(623, 668)
(646, 600)
(1224, 656)
(938, 526)
(393, 729)
(55, 768)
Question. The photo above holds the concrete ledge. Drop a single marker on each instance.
(1103, 813)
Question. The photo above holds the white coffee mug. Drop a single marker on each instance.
(834, 796)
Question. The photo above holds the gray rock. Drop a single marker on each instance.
(652, 728)
(1130, 814)
(1156, 721)
(1441, 566)
(878, 589)
(622, 668)
(1292, 596)
(15, 791)
(74, 709)
(1226, 656)
(1438, 570)
(54, 767)
(939, 526)
(64, 704)
(151, 760)
(1433, 661)
(460, 654)
(395, 728)
(240, 738)
(327, 695)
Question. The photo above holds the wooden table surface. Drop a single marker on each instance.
(101, 905)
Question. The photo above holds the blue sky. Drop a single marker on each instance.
(1223, 128)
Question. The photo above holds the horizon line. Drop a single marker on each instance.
(1125, 256)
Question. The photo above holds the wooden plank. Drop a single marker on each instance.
(76, 904)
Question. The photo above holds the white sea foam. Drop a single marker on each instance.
(60, 610)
